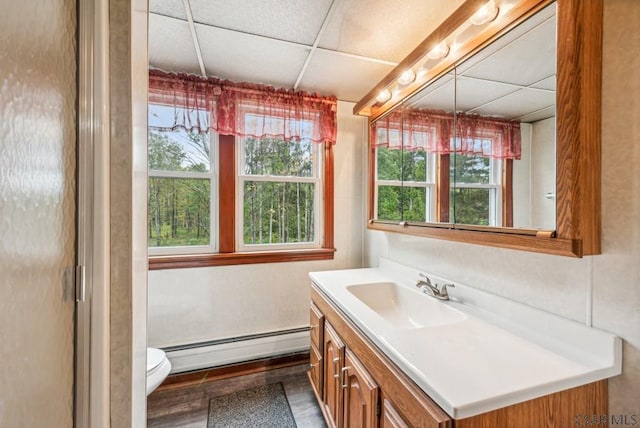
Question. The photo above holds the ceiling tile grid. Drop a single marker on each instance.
(245, 40)
(243, 57)
(291, 20)
(340, 47)
(350, 77)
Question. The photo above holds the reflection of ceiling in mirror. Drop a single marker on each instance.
(512, 78)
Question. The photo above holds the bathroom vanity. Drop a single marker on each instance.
(385, 354)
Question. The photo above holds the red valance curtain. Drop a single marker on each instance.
(244, 109)
(432, 131)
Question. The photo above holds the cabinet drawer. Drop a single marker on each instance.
(316, 321)
(315, 370)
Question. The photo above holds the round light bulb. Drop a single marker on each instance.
(407, 77)
(383, 96)
(439, 51)
(421, 74)
(486, 13)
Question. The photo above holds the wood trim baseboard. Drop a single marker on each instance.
(232, 370)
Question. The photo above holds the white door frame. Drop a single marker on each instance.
(92, 399)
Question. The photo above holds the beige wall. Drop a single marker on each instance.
(37, 212)
(128, 211)
(196, 305)
(603, 290)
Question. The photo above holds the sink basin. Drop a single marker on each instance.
(404, 307)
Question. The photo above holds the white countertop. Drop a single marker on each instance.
(501, 352)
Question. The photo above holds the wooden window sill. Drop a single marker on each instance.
(228, 259)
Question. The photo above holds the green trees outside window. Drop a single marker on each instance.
(470, 205)
(402, 184)
(279, 183)
(179, 189)
(405, 186)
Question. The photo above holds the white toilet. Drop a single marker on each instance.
(158, 368)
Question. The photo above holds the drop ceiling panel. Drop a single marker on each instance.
(291, 20)
(524, 61)
(247, 58)
(535, 116)
(171, 46)
(518, 104)
(472, 93)
(384, 29)
(549, 83)
(439, 95)
(173, 8)
(346, 77)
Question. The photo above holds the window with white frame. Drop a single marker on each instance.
(251, 183)
(279, 187)
(476, 185)
(405, 183)
(182, 184)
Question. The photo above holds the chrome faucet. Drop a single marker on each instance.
(427, 287)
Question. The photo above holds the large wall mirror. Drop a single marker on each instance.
(481, 152)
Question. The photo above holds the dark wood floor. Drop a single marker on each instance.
(187, 406)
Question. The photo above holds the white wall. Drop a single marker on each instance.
(543, 173)
(203, 304)
(522, 181)
(534, 176)
(603, 290)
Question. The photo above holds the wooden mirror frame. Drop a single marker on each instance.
(578, 115)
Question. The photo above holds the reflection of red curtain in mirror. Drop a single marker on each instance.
(431, 130)
(241, 109)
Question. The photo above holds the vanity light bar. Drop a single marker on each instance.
(467, 29)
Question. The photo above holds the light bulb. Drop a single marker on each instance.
(486, 13)
(407, 77)
(383, 96)
(421, 74)
(439, 51)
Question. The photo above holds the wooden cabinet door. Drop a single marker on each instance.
(333, 362)
(390, 417)
(360, 395)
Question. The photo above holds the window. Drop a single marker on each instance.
(279, 188)
(182, 185)
(425, 174)
(405, 185)
(238, 173)
(476, 185)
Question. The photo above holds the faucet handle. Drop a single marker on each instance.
(443, 289)
(422, 275)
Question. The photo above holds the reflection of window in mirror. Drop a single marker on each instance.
(404, 179)
(476, 196)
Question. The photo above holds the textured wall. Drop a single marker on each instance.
(195, 305)
(559, 284)
(37, 209)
